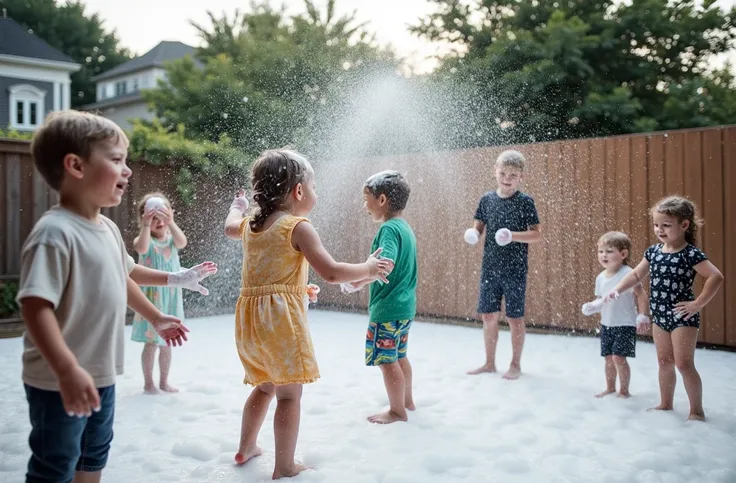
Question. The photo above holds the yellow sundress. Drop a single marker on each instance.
(271, 330)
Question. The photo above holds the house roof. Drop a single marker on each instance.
(18, 41)
(114, 101)
(165, 51)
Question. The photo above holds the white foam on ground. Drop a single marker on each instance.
(545, 427)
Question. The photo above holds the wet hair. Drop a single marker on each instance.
(682, 209)
(69, 132)
(274, 174)
(393, 185)
(511, 158)
(619, 241)
(141, 208)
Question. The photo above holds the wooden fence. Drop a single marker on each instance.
(582, 189)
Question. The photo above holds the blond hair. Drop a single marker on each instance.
(683, 209)
(512, 159)
(618, 240)
(69, 132)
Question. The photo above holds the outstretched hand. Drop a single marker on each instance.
(189, 278)
(170, 329)
(240, 202)
(380, 267)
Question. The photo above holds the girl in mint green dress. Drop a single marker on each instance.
(158, 245)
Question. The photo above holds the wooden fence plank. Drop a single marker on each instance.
(656, 179)
(12, 214)
(5, 234)
(729, 214)
(713, 328)
(623, 184)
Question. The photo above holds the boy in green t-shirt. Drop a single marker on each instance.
(391, 306)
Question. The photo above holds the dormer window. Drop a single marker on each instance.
(27, 106)
(120, 88)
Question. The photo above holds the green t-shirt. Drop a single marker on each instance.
(396, 300)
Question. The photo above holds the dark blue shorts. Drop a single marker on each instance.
(618, 341)
(510, 286)
(62, 444)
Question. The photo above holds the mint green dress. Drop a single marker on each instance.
(161, 255)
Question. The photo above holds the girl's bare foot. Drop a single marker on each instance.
(150, 389)
(245, 454)
(167, 388)
(513, 373)
(696, 416)
(605, 393)
(661, 407)
(410, 406)
(386, 418)
(482, 369)
(624, 394)
(289, 473)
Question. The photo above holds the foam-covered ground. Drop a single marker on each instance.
(545, 427)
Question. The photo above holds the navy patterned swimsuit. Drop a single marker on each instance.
(671, 277)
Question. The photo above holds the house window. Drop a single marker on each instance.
(120, 88)
(27, 106)
(136, 87)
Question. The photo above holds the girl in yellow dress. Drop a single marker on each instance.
(271, 330)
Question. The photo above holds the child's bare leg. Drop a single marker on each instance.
(666, 359)
(490, 338)
(87, 477)
(408, 396)
(393, 378)
(684, 340)
(254, 412)
(148, 358)
(518, 333)
(286, 430)
(624, 375)
(610, 378)
(164, 364)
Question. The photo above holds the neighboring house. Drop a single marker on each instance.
(119, 89)
(34, 78)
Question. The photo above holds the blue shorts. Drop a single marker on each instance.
(62, 445)
(511, 287)
(618, 341)
(386, 342)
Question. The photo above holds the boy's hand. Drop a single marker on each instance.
(170, 329)
(190, 277)
(503, 237)
(642, 324)
(471, 236)
(78, 392)
(240, 202)
(593, 307)
(379, 267)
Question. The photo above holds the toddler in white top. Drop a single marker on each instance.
(621, 318)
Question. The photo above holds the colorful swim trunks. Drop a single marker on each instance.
(386, 342)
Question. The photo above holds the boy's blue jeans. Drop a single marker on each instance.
(62, 445)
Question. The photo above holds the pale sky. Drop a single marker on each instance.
(141, 24)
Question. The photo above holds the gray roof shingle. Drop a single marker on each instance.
(18, 41)
(165, 51)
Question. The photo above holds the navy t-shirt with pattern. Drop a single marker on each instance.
(517, 213)
(671, 277)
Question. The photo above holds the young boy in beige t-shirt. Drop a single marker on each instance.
(76, 279)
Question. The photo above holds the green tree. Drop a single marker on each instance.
(549, 69)
(265, 79)
(79, 35)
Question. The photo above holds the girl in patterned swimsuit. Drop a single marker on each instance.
(158, 245)
(672, 265)
(271, 331)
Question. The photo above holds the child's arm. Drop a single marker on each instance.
(305, 239)
(532, 235)
(168, 327)
(180, 239)
(633, 278)
(186, 278)
(78, 392)
(713, 280)
(235, 216)
(141, 242)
